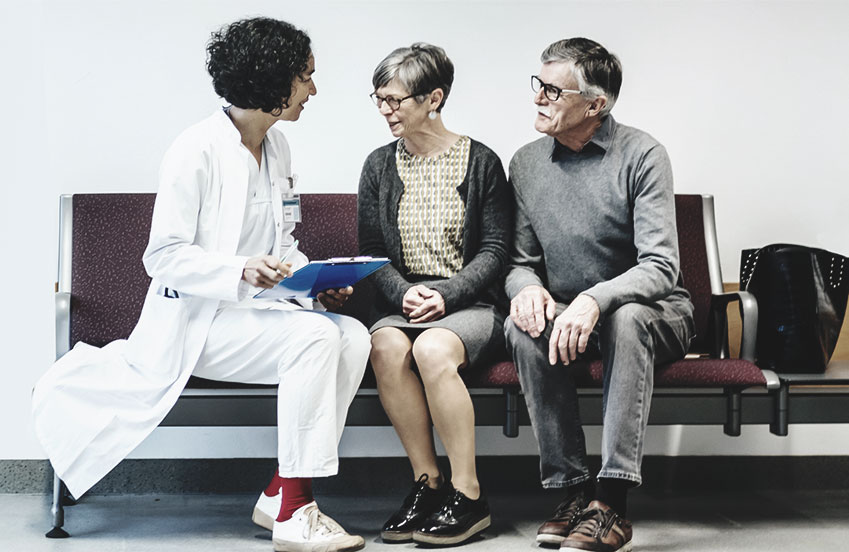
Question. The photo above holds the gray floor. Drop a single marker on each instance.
(687, 521)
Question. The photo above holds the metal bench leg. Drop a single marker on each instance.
(57, 511)
(511, 414)
(67, 499)
(733, 414)
(781, 411)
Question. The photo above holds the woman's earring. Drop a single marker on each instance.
(431, 115)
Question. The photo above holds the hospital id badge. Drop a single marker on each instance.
(292, 208)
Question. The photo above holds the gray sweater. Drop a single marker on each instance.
(600, 221)
(486, 229)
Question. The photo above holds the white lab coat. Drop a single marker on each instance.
(94, 405)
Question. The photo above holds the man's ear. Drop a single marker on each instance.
(596, 106)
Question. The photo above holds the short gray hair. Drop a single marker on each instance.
(598, 72)
(421, 69)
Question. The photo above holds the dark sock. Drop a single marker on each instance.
(614, 493)
(273, 488)
(297, 491)
(588, 487)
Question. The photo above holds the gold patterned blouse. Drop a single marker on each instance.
(431, 211)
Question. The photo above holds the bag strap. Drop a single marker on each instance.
(836, 271)
(836, 265)
(747, 269)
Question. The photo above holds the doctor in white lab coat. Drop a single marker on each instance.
(217, 235)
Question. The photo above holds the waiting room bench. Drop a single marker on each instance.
(96, 306)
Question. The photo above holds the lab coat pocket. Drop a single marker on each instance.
(155, 347)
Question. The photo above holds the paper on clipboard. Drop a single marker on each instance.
(334, 273)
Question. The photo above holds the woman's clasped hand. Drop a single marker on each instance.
(422, 304)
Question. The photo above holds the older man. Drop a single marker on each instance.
(594, 272)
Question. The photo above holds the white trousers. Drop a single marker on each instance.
(316, 358)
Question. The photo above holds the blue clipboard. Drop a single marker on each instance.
(318, 276)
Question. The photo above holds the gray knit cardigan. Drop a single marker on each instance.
(487, 229)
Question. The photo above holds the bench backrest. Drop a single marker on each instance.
(104, 236)
(108, 282)
(699, 259)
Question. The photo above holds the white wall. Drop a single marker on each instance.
(748, 97)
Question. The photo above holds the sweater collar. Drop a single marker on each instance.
(602, 138)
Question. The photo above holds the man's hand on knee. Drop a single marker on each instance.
(572, 330)
(531, 309)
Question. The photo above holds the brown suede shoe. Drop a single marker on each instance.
(599, 529)
(555, 530)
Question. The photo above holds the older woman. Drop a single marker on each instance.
(437, 204)
(217, 237)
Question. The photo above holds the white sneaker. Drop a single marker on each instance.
(266, 510)
(309, 530)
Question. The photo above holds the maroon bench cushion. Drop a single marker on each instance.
(684, 373)
(708, 372)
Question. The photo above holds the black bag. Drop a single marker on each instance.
(801, 293)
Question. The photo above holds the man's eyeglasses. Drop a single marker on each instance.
(551, 92)
(393, 103)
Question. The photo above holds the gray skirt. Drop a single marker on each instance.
(480, 327)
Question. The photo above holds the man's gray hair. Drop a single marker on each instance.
(597, 71)
(421, 69)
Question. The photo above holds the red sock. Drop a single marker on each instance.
(273, 488)
(297, 491)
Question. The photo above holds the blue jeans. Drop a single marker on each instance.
(630, 340)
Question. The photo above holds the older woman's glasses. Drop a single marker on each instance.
(551, 92)
(393, 103)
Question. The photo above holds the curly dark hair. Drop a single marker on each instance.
(254, 61)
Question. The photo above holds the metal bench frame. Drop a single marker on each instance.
(767, 404)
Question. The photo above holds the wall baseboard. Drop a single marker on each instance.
(392, 475)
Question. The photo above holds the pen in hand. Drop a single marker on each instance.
(288, 253)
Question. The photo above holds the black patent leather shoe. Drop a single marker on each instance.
(457, 520)
(418, 505)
